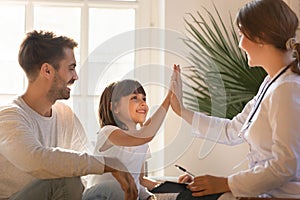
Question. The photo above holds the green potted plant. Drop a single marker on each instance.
(220, 78)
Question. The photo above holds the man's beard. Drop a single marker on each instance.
(58, 89)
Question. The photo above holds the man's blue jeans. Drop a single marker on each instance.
(52, 189)
(104, 191)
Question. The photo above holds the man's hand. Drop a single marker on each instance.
(205, 185)
(120, 172)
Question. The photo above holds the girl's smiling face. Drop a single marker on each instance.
(132, 109)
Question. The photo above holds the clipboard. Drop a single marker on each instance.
(169, 187)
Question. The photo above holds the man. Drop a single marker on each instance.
(43, 147)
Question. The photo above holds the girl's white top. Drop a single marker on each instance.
(132, 157)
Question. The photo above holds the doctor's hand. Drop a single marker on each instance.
(176, 87)
(205, 185)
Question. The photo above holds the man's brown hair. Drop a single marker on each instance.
(40, 47)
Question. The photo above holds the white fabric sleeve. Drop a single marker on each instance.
(220, 130)
(103, 135)
(223, 130)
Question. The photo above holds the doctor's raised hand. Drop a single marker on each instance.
(176, 98)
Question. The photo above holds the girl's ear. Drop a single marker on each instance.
(114, 109)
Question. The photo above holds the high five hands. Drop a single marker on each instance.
(200, 185)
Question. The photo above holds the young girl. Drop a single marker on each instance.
(122, 107)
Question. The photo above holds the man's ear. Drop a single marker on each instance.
(46, 70)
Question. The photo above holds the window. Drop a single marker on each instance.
(10, 39)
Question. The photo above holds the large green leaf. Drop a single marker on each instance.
(220, 78)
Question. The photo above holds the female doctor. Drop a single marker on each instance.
(270, 122)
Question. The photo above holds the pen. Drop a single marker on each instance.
(184, 170)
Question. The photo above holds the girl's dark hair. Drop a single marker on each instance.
(42, 47)
(270, 21)
(111, 95)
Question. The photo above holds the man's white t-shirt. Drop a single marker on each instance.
(33, 146)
